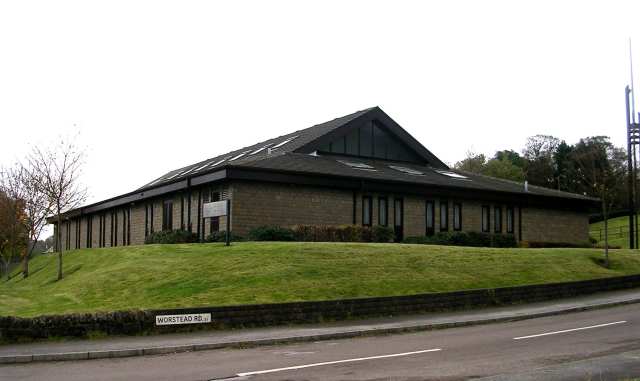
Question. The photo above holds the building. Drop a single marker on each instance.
(362, 168)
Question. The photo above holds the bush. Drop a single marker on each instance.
(545, 244)
(171, 236)
(381, 233)
(592, 240)
(221, 236)
(474, 239)
(271, 233)
(332, 233)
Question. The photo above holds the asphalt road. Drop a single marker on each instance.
(594, 345)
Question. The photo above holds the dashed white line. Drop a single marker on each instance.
(245, 374)
(569, 330)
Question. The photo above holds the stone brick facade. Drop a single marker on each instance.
(260, 203)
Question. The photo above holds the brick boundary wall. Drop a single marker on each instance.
(137, 322)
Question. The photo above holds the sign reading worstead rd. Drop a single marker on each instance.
(183, 319)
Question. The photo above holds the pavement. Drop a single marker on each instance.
(118, 347)
(600, 344)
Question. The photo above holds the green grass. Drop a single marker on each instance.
(165, 276)
(618, 231)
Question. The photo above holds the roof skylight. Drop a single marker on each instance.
(175, 175)
(452, 174)
(261, 149)
(357, 165)
(406, 170)
(238, 156)
(284, 142)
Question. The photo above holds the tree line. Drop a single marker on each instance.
(46, 183)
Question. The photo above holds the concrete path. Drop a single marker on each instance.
(204, 340)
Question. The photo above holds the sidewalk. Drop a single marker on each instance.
(203, 340)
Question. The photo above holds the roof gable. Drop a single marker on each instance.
(308, 140)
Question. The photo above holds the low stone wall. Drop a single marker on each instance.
(143, 322)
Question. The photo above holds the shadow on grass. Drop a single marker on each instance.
(65, 273)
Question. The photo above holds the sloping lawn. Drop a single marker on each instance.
(618, 231)
(160, 276)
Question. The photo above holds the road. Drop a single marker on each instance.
(595, 345)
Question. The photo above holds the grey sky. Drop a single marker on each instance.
(152, 86)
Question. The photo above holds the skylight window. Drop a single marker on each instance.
(175, 175)
(452, 174)
(261, 149)
(285, 142)
(238, 156)
(406, 170)
(203, 166)
(189, 170)
(219, 161)
(357, 165)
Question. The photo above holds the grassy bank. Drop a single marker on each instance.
(164, 276)
(618, 231)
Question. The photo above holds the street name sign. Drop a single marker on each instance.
(183, 319)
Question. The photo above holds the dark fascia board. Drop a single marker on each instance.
(137, 196)
(376, 114)
(389, 186)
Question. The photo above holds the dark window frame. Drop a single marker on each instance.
(369, 203)
(384, 222)
(510, 220)
(430, 230)
(444, 224)
(167, 215)
(457, 216)
(486, 219)
(398, 226)
(497, 219)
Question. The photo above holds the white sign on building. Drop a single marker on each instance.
(215, 209)
(183, 319)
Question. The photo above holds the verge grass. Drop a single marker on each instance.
(187, 275)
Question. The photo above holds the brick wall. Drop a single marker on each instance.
(257, 204)
(554, 225)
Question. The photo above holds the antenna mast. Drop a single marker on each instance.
(633, 141)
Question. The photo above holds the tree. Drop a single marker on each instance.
(59, 168)
(12, 233)
(24, 184)
(600, 166)
(473, 163)
(539, 152)
(503, 169)
(511, 156)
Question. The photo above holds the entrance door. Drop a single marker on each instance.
(398, 217)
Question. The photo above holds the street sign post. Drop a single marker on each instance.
(218, 209)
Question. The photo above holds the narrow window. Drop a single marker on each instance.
(398, 218)
(510, 216)
(444, 216)
(430, 218)
(457, 216)
(366, 210)
(382, 211)
(167, 215)
(151, 218)
(215, 221)
(486, 218)
(114, 217)
(497, 219)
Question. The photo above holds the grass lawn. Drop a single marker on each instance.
(159, 276)
(618, 231)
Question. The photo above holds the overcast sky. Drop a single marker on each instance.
(153, 86)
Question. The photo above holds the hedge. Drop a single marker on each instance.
(171, 236)
(323, 233)
(474, 239)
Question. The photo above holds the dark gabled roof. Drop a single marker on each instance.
(295, 156)
(304, 141)
(334, 165)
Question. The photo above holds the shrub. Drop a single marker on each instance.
(271, 233)
(171, 236)
(221, 236)
(381, 233)
(592, 240)
(332, 233)
(475, 239)
(545, 244)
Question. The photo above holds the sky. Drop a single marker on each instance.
(151, 86)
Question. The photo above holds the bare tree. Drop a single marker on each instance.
(600, 166)
(58, 170)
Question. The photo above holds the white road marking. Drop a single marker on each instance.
(335, 362)
(569, 330)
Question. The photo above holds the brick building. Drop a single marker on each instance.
(362, 168)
